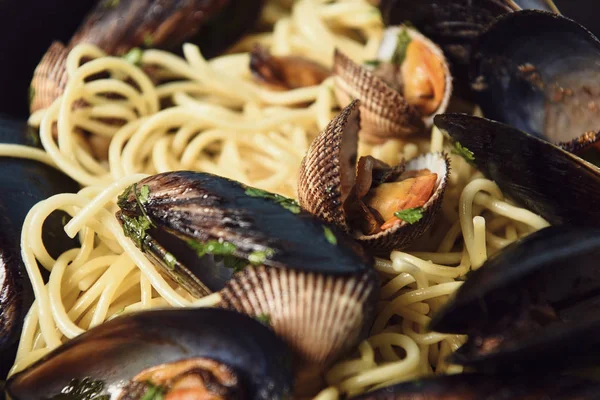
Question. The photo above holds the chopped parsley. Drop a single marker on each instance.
(463, 152)
(214, 247)
(401, 47)
(153, 392)
(111, 3)
(259, 257)
(410, 215)
(148, 40)
(86, 389)
(124, 197)
(329, 235)
(264, 319)
(289, 204)
(170, 260)
(372, 63)
(135, 228)
(31, 94)
(134, 56)
(144, 195)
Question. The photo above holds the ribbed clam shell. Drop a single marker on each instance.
(320, 189)
(319, 316)
(402, 234)
(49, 78)
(384, 112)
(388, 47)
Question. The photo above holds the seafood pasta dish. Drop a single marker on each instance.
(347, 199)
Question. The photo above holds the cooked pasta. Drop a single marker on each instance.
(220, 120)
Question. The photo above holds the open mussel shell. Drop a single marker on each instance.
(115, 352)
(488, 387)
(303, 275)
(328, 173)
(530, 304)
(539, 72)
(119, 26)
(561, 187)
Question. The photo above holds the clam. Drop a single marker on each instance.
(285, 73)
(119, 26)
(456, 24)
(383, 207)
(530, 305)
(488, 387)
(546, 179)
(539, 73)
(401, 90)
(170, 354)
(23, 184)
(265, 255)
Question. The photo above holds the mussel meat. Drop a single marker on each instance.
(561, 187)
(539, 72)
(119, 26)
(401, 90)
(23, 184)
(383, 207)
(313, 282)
(488, 387)
(202, 354)
(532, 306)
(455, 24)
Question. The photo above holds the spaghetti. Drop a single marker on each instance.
(222, 122)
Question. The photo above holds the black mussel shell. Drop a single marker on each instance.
(118, 350)
(29, 27)
(258, 227)
(488, 387)
(23, 183)
(453, 25)
(539, 72)
(531, 304)
(561, 187)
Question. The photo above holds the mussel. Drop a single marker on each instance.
(533, 306)
(488, 387)
(455, 24)
(266, 255)
(539, 72)
(383, 207)
(546, 179)
(401, 90)
(119, 26)
(23, 184)
(201, 354)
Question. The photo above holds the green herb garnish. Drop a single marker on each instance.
(148, 40)
(86, 389)
(259, 257)
(329, 235)
(401, 47)
(264, 319)
(153, 392)
(170, 260)
(463, 152)
(144, 195)
(287, 203)
(372, 63)
(111, 3)
(134, 56)
(214, 247)
(410, 215)
(235, 263)
(124, 197)
(135, 228)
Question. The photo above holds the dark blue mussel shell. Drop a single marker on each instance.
(534, 306)
(548, 180)
(116, 351)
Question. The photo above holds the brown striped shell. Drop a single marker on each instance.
(319, 316)
(49, 78)
(328, 172)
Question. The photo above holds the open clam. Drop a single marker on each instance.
(530, 304)
(401, 90)
(313, 283)
(546, 179)
(539, 72)
(170, 354)
(384, 208)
